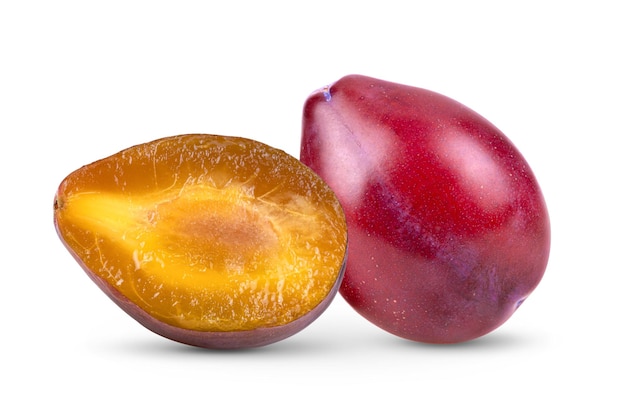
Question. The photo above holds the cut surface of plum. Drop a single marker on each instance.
(206, 233)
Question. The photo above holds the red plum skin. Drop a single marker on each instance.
(448, 228)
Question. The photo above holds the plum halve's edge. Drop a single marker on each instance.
(215, 339)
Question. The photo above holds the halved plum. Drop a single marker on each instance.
(212, 241)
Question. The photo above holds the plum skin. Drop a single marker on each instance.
(448, 228)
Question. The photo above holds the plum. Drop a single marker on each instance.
(212, 241)
(448, 228)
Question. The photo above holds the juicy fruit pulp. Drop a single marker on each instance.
(203, 233)
(448, 228)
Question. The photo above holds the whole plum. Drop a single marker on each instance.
(448, 228)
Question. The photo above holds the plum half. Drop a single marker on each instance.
(449, 231)
(212, 241)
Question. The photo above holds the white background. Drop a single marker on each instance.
(81, 80)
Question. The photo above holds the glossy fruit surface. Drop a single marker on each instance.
(449, 231)
(208, 240)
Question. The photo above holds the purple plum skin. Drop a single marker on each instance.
(448, 228)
